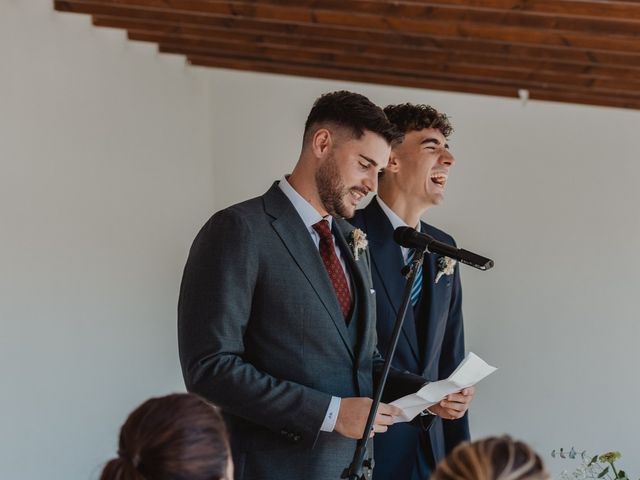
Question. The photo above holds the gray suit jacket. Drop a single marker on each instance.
(261, 335)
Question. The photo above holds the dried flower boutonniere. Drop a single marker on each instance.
(445, 267)
(358, 242)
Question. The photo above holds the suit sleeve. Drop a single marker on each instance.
(214, 311)
(455, 431)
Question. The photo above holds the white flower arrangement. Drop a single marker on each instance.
(446, 266)
(358, 242)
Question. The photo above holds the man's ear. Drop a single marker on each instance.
(321, 143)
(393, 166)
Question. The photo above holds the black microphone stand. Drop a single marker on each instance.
(361, 469)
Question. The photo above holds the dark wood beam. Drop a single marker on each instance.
(469, 74)
(626, 23)
(611, 9)
(385, 79)
(577, 51)
(371, 23)
(589, 77)
(375, 12)
(452, 51)
(385, 57)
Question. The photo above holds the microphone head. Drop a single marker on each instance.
(403, 236)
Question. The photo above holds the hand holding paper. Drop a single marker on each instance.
(470, 371)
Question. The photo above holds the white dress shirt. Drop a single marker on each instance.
(396, 222)
(310, 217)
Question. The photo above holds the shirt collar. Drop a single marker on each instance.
(307, 212)
(396, 222)
(393, 217)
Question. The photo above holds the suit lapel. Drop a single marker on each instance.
(293, 233)
(388, 261)
(361, 280)
(342, 230)
(434, 293)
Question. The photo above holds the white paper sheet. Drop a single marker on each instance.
(470, 371)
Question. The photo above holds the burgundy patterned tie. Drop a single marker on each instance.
(334, 269)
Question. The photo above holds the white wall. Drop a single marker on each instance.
(105, 176)
(111, 157)
(549, 192)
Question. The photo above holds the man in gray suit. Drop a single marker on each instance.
(276, 317)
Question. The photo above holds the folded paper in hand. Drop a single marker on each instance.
(470, 371)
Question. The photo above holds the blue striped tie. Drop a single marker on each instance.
(417, 284)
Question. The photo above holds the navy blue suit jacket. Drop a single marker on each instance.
(440, 317)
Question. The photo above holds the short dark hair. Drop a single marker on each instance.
(176, 436)
(408, 117)
(354, 112)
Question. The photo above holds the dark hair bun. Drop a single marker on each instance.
(121, 469)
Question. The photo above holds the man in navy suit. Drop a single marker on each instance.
(432, 340)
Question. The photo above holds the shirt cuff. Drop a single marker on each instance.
(331, 416)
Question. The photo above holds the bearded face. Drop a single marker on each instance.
(348, 171)
(338, 199)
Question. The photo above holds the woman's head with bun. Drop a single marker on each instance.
(493, 458)
(177, 437)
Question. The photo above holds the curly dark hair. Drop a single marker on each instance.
(178, 436)
(354, 112)
(408, 117)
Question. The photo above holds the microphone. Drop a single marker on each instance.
(410, 238)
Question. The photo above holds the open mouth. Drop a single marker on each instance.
(356, 195)
(439, 178)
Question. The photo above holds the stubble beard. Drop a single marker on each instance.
(332, 191)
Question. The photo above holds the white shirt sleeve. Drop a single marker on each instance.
(331, 416)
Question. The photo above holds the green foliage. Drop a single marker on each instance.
(601, 466)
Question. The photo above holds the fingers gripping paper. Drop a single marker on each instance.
(470, 371)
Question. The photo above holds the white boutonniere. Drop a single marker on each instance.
(445, 267)
(358, 242)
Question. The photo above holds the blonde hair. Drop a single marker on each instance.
(493, 458)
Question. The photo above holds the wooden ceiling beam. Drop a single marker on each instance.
(446, 50)
(576, 51)
(386, 79)
(373, 12)
(542, 71)
(615, 11)
(526, 80)
(625, 24)
(371, 23)
(579, 8)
